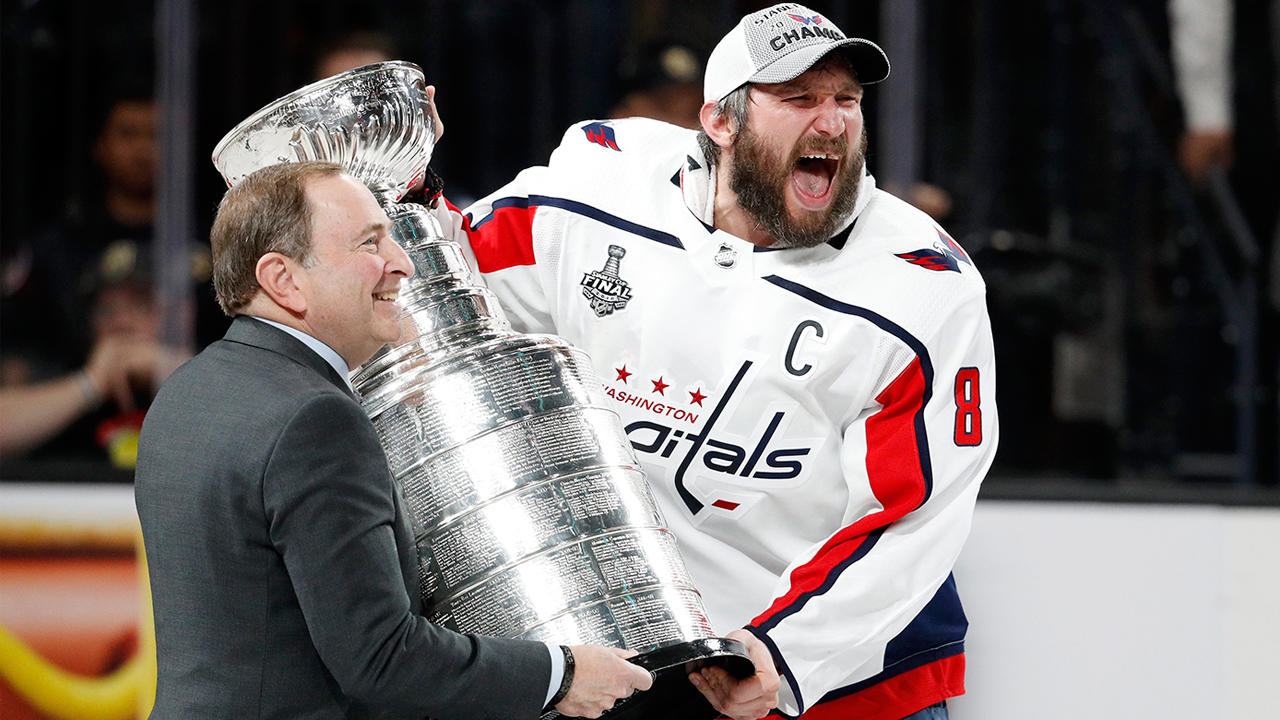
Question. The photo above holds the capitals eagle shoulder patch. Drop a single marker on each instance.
(946, 255)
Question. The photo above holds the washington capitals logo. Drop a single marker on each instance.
(816, 19)
(601, 134)
(947, 255)
(603, 289)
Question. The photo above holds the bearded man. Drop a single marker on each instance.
(803, 364)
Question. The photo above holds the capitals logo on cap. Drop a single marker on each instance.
(816, 19)
(601, 134)
(780, 43)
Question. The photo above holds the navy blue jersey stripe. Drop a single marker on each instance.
(872, 538)
(911, 663)
(515, 202)
(940, 622)
(584, 210)
(784, 671)
(937, 632)
(926, 365)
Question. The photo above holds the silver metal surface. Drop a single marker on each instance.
(530, 511)
(375, 120)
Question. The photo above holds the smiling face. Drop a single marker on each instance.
(351, 280)
(796, 165)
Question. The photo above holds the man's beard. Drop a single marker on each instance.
(760, 177)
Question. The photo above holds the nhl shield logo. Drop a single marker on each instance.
(603, 289)
(726, 256)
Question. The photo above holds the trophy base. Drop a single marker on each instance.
(672, 696)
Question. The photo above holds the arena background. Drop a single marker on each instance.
(1126, 551)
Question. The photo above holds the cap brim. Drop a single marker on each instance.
(869, 62)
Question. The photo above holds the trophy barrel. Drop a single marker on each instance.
(532, 516)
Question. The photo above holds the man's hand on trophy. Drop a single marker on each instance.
(435, 112)
(426, 190)
(747, 698)
(601, 677)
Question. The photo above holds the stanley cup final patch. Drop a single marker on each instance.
(604, 289)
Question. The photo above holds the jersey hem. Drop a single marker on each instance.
(908, 688)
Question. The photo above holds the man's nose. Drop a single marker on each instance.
(830, 120)
(398, 262)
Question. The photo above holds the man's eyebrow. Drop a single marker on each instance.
(373, 227)
(788, 87)
(796, 86)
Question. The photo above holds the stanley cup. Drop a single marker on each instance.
(532, 516)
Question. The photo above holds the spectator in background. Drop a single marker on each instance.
(49, 279)
(1200, 39)
(662, 82)
(1201, 34)
(77, 318)
(354, 50)
(94, 413)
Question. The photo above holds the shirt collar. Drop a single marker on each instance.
(698, 185)
(330, 355)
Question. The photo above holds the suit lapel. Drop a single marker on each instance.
(247, 331)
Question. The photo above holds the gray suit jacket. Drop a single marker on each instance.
(283, 572)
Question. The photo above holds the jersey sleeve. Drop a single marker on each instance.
(496, 235)
(921, 450)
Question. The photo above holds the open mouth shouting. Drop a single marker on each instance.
(798, 198)
(813, 178)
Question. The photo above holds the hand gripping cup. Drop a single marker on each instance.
(532, 516)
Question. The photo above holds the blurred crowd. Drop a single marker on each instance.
(79, 355)
(79, 358)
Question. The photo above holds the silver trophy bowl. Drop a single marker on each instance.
(374, 120)
(532, 516)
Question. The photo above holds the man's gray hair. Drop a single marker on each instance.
(735, 106)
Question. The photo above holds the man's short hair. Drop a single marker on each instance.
(266, 212)
(733, 105)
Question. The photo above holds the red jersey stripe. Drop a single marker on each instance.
(898, 696)
(504, 240)
(897, 480)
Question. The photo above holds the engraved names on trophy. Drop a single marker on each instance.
(540, 516)
(624, 568)
(437, 260)
(459, 405)
(534, 448)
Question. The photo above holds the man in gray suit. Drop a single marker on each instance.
(282, 567)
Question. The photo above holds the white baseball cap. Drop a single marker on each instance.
(778, 44)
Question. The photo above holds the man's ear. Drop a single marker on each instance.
(282, 279)
(718, 126)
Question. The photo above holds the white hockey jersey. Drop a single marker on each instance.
(815, 422)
